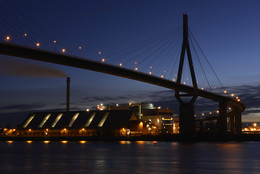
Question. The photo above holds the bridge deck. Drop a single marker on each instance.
(73, 61)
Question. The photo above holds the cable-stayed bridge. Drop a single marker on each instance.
(129, 64)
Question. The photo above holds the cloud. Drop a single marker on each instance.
(249, 95)
(20, 107)
(14, 67)
(99, 98)
(251, 117)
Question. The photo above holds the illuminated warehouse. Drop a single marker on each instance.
(126, 120)
(92, 123)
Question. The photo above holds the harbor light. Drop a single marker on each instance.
(141, 124)
(7, 38)
(82, 142)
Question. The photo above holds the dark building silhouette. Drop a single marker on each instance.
(74, 123)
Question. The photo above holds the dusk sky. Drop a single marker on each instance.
(228, 31)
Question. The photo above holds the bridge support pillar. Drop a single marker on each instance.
(222, 119)
(238, 122)
(187, 120)
(232, 124)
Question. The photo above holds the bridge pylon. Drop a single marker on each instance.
(222, 119)
(186, 110)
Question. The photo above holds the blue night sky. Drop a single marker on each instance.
(227, 31)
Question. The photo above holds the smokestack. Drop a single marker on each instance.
(68, 95)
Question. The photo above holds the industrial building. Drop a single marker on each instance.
(132, 119)
(152, 116)
(83, 123)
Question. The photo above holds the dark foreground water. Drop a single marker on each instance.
(129, 157)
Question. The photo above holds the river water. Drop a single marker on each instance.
(130, 157)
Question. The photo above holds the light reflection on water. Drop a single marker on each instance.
(129, 157)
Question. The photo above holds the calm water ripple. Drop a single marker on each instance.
(130, 157)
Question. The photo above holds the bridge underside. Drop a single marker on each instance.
(187, 119)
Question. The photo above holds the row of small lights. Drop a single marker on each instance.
(47, 141)
(37, 44)
(84, 142)
(254, 128)
(203, 114)
(63, 50)
(210, 113)
(30, 130)
(136, 67)
(102, 60)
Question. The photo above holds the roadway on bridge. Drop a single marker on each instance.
(77, 62)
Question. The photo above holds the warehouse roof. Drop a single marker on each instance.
(115, 119)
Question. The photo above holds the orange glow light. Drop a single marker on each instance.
(7, 38)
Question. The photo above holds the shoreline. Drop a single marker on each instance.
(173, 138)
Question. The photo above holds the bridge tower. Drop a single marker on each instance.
(186, 110)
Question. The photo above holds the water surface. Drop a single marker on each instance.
(130, 157)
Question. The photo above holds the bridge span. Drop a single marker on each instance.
(77, 62)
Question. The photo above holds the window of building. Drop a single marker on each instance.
(44, 120)
(28, 121)
(102, 121)
(90, 120)
(56, 120)
(73, 119)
